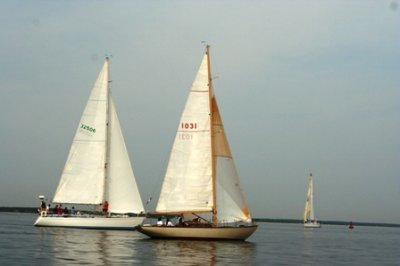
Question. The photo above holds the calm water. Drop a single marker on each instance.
(272, 244)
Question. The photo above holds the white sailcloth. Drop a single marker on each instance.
(200, 153)
(231, 203)
(308, 214)
(98, 166)
(82, 181)
(123, 193)
(187, 184)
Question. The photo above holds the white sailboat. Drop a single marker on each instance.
(98, 169)
(201, 184)
(308, 215)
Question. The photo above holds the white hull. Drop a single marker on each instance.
(90, 222)
(312, 225)
(200, 233)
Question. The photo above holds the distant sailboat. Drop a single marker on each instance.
(201, 184)
(98, 169)
(308, 216)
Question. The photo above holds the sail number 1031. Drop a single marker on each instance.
(189, 125)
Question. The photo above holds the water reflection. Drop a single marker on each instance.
(308, 253)
(185, 252)
(98, 247)
(101, 247)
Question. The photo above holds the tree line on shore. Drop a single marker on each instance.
(262, 220)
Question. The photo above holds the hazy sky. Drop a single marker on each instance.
(302, 86)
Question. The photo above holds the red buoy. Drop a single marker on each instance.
(351, 225)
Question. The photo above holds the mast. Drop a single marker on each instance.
(107, 144)
(213, 167)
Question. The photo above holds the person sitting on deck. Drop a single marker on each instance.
(159, 222)
(169, 223)
(60, 210)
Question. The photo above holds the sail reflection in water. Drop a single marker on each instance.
(183, 252)
(95, 247)
(61, 246)
(274, 244)
(308, 246)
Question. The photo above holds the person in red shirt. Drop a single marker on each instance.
(105, 208)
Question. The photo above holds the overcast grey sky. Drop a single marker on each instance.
(303, 86)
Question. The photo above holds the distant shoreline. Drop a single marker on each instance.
(263, 220)
(297, 221)
(19, 209)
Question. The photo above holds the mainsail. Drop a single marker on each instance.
(83, 177)
(187, 185)
(201, 174)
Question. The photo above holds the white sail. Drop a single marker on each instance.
(123, 193)
(188, 181)
(97, 169)
(188, 184)
(201, 183)
(231, 204)
(308, 214)
(82, 181)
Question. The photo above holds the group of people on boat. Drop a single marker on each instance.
(58, 209)
(196, 222)
(161, 222)
(45, 209)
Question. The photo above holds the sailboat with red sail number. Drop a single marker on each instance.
(201, 185)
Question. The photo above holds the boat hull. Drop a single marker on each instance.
(312, 225)
(200, 233)
(90, 222)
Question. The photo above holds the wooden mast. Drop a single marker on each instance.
(213, 167)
